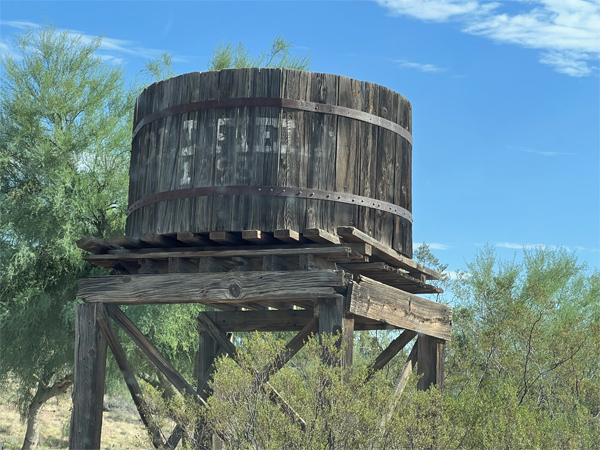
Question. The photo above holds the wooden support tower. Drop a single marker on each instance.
(354, 284)
(280, 199)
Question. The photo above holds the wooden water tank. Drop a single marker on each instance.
(269, 149)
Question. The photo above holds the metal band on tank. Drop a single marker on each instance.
(276, 103)
(277, 191)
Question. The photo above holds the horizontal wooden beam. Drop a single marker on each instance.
(351, 234)
(392, 276)
(248, 321)
(94, 245)
(374, 300)
(237, 287)
(343, 253)
(275, 321)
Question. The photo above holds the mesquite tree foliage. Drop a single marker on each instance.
(65, 121)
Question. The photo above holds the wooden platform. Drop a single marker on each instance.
(307, 283)
(253, 250)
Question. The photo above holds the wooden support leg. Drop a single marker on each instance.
(430, 361)
(332, 320)
(129, 377)
(208, 350)
(90, 371)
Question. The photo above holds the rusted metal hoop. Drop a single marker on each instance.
(277, 191)
(275, 103)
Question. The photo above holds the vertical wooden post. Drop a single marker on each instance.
(207, 352)
(332, 320)
(431, 353)
(90, 371)
(208, 349)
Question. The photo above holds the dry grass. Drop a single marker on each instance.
(122, 427)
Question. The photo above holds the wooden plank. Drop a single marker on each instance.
(348, 150)
(392, 276)
(273, 262)
(331, 315)
(265, 145)
(225, 238)
(151, 352)
(320, 236)
(153, 266)
(129, 378)
(290, 236)
(383, 229)
(347, 341)
(341, 253)
(277, 320)
(293, 157)
(369, 298)
(94, 245)
(258, 237)
(368, 175)
(205, 159)
(158, 240)
(212, 287)
(322, 142)
(208, 351)
(127, 241)
(194, 239)
(392, 350)
(312, 262)
(210, 264)
(90, 372)
(351, 234)
(403, 180)
(249, 321)
(430, 365)
(181, 265)
(244, 164)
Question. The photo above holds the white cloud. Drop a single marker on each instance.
(418, 66)
(114, 51)
(515, 246)
(19, 24)
(435, 246)
(566, 31)
(436, 10)
(538, 152)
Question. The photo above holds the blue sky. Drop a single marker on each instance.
(505, 96)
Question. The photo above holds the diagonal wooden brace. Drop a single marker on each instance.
(152, 353)
(128, 376)
(230, 349)
(392, 350)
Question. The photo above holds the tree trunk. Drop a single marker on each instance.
(42, 395)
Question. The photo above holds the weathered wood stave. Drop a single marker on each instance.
(271, 146)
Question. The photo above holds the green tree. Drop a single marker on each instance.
(523, 368)
(228, 56)
(64, 138)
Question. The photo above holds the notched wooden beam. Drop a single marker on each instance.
(369, 298)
